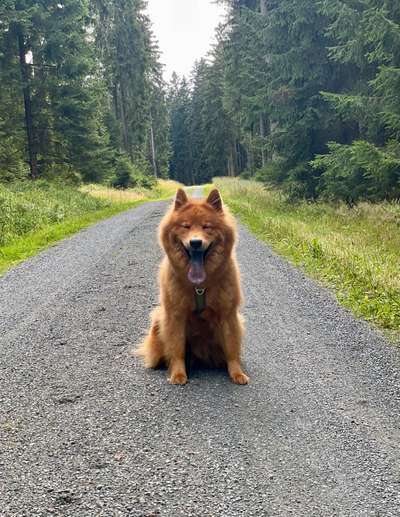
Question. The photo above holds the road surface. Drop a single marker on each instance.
(86, 431)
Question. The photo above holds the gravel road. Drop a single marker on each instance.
(86, 431)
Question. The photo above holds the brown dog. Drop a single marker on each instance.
(199, 291)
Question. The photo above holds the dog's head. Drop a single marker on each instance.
(197, 235)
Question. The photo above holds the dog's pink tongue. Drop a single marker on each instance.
(196, 274)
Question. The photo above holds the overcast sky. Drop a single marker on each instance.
(184, 30)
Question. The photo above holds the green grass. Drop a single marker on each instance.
(354, 251)
(36, 215)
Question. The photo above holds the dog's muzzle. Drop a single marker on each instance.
(197, 254)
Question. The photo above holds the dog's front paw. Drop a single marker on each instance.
(240, 378)
(178, 378)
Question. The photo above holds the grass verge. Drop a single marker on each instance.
(164, 189)
(354, 251)
(36, 215)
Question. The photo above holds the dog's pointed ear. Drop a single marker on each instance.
(214, 199)
(180, 199)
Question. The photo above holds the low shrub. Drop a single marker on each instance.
(359, 172)
(130, 175)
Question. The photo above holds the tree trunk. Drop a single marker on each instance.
(27, 105)
(250, 156)
(263, 7)
(273, 126)
(231, 161)
(238, 158)
(115, 101)
(262, 135)
(153, 149)
(125, 130)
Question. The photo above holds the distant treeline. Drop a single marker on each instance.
(302, 94)
(81, 91)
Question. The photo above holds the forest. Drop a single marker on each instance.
(82, 96)
(302, 95)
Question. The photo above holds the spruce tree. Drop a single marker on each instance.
(180, 167)
(366, 163)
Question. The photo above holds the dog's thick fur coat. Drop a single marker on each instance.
(213, 336)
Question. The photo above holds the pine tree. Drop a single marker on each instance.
(159, 144)
(48, 58)
(13, 160)
(130, 61)
(81, 83)
(180, 166)
(212, 136)
(365, 165)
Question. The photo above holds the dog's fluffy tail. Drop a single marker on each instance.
(152, 350)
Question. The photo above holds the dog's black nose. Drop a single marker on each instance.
(196, 244)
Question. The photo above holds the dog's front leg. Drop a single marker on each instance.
(232, 330)
(175, 341)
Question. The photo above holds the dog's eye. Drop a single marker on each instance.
(207, 226)
(185, 225)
